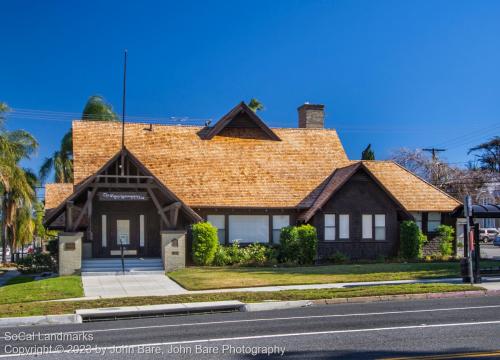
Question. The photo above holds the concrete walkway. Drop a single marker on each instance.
(107, 286)
(8, 275)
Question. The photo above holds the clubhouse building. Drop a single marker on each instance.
(247, 179)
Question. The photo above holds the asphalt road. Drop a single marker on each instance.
(347, 331)
(488, 251)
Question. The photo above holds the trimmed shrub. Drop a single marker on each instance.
(308, 243)
(236, 253)
(36, 263)
(411, 240)
(289, 244)
(205, 243)
(445, 234)
(53, 247)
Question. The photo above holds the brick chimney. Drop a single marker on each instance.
(311, 116)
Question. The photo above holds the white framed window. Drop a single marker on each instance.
(418, 219)
(367, 225)
(104, 230)
(249, 228)
(219, 221)
(330, 227)
(279, 222)
(141, 230)
(433, 221)
(380, 227)
(343, 226)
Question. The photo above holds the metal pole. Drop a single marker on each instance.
(468, 214)
(124, 96)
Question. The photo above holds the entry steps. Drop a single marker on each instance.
(113, 266)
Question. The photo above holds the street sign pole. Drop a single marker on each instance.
(468, 216)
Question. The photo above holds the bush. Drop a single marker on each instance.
(411, 240)
(338, 258)
(308, 243)
(36, 263)
(289, 244)
(256, 254)
(205, 243)
(445, 234)
(222, 257)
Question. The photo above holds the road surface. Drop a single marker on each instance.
(348, 331)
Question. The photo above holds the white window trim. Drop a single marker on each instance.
(369, 234)
(344, 229)
(380, 227)
(104, 231)
(141, 230)
(333, 227)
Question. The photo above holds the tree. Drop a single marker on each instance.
(368, 153)
(96, 109)
(255, 105)
(17, 192)
(453, 180)
(489, 156)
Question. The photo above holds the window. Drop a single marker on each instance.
(367, 224)
(380, 227)
(433, 221)
(219, 221)
(249, 228)
(343, 226)
(141, 230)
(418, 219)
(330, 228)
(104, 231)
(279, 222)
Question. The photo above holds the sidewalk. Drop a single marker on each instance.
(163, 286)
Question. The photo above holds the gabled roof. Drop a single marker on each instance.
(81, 187)
(56, 193)
(245, 117)
(338, 178)
(225, 171)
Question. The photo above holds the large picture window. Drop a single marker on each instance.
(219, 221)
(330, 228)
(249, 228)
(343, 226)
(279, 222)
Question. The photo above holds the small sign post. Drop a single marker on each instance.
(469, 234)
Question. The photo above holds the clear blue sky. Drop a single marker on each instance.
(391, 73)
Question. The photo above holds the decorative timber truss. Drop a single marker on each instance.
(124, 175)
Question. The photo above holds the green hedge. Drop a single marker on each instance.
(36, 263)
(205, 243)
(446, 239)
(299, 244)
(411, 240)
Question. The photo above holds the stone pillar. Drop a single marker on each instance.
(70, 253)
(173, 249)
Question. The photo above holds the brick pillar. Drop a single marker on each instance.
(173, 249)
(70, 253)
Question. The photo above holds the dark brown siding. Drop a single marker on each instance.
(360, 195)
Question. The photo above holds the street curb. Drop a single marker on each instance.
(276, 305)
(443, 295)
(158, 310)
(41, 320)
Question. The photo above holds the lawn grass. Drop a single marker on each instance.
(66, 307)
(23, 289)
(206, 278)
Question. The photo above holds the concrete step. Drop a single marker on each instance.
(127, 268)
(126, 273)
(119, 264)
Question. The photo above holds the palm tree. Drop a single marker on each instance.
(255, 105)
(16, 185)
(96, 109)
